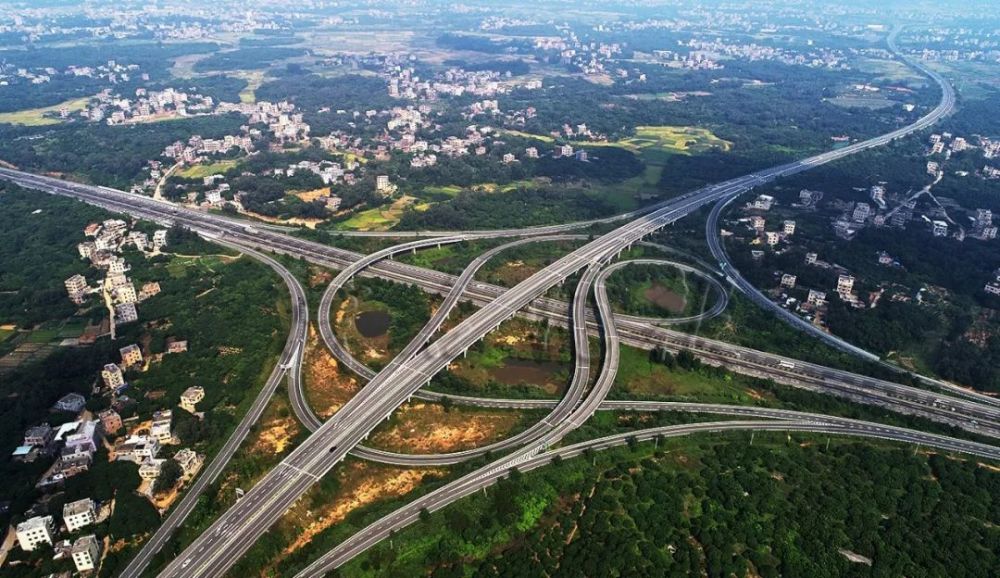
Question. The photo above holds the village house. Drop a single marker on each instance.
(160, 428)
(177, 346)
(79, 514)
(131, 355)
(136, 449)
(39, 435)
(111, 421)
(148, 290)
(126, 313)
(816, 298)
(845, 285)
(71, 402)
(191, 397)
(35, 531)
(86, 553)
(189, 461)
(150, 468)
(76, 287)
(112, 376)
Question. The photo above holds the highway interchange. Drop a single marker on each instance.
(216, 549)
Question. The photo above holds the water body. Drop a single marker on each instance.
(526, 371)
(372, 323)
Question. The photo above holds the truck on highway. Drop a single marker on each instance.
(786, 365)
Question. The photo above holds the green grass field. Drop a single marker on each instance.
(382, 218)
(639, 376)
(664, 139)
(254, 79)
(202, 171)
(37, 116)
(673, 140)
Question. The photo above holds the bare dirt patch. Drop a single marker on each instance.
(512, 273)
(360, 484)
(319, 277)
(328, 387)
(427, 428)
(309, 196)
(663, 297)
(275, 435)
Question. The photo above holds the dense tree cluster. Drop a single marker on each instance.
(115, 156)
(251, 57)
(153, 59)
(721, 510)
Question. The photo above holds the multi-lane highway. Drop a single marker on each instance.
(215, 551)
(235, 530)
(421, 338)
(640, 335)
(290, 357)
(536, 454)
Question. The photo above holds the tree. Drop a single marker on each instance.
(170, 472)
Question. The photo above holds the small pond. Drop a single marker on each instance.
(373, 323)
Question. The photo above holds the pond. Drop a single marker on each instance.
(528, 371)
(372, 323)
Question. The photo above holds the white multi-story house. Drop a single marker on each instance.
(861, 212)
(159, 239)
(35, 531)
(845, 285)
(79, 514)
(137, 449)
(816, 298)
(76, 287)
(86, 553)
(160, 429)
(86, 438)
(763, 202)
(190, 462)
(150, 469)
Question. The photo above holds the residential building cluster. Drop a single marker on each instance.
(113, 72)
(104, 253)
